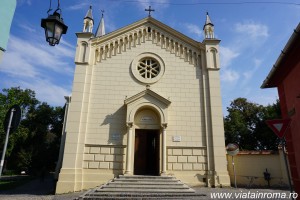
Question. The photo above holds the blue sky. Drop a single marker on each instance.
(252, 35)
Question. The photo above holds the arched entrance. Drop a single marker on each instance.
(146, 142)
(146, 119)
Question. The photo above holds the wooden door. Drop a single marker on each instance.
(146, 153)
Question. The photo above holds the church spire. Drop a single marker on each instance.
(208, 28)
(101, 27)
(88, 21)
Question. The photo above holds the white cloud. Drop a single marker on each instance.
(229, 75)
(257, 62)
(33, 64)
(35, 56)
(14, 64)
(227, 55)
(194, 29)
(78, 6)
(47, 91)
(252, 29)
(247, 75)
(26, 27)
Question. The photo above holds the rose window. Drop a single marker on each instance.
(148, 68)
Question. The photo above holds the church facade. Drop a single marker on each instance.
(145, 101)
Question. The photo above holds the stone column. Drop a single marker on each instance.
(164, 149)
(129, 149)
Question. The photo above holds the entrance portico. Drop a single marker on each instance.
(147, 122)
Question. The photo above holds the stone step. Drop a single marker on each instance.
(145, 177)
(133, 180)
(142, 187)
(146, 190)
(117, 182)
(153, 186)
(133, 196)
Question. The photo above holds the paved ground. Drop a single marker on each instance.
(43, 190)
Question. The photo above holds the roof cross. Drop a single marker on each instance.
(149, 10)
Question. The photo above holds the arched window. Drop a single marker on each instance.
(86, 26)
(213, 53)
(83, 50)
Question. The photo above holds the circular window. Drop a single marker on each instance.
(147, 68)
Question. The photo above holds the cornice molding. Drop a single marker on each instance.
(144, 93)
(147, 29)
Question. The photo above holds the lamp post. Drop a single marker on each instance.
(54, 26)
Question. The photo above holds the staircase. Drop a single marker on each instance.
(142, 187)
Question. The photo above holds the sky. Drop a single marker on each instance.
(252, 35)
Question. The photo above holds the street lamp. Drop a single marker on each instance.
(54, 26)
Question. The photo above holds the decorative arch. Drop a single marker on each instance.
(83, 50)
(151, 106)
(146, 99)
(213, 57)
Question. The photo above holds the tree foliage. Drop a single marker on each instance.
(35, 144)
(245, 125)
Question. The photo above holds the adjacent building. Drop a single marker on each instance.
(285, 76)
(145, 101)
(7, 10)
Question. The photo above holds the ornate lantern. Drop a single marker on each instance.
(54, 26)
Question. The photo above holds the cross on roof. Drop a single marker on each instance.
(149, 10)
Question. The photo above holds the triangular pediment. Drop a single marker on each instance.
(149, 99)
(160, 27)
(148, 95)
(145, 30)
(143, 24)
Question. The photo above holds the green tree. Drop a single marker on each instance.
(35, 144)
(245, 125)
(26, 100)
(45, 124)
(265, 136)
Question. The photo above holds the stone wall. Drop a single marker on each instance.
(103, 157)
(186, 159)
(251, 165)
(188, 164)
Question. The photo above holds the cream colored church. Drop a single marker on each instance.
(145, 101)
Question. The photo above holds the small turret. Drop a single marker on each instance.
(101, 27)
(88, 21)
(211, 45)
(208, 28)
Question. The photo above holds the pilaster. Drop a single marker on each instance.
(164, 149)
(71, 176)
(129, 160)
(217, 171)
